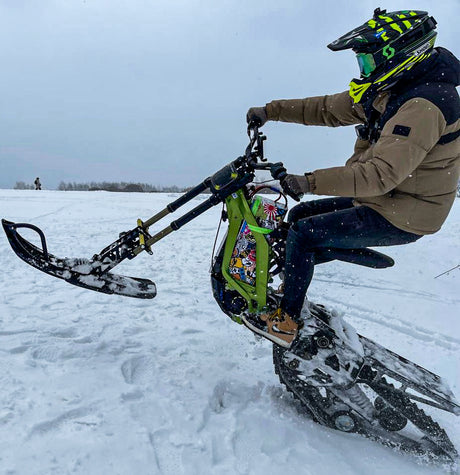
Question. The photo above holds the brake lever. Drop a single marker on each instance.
(256, 142)
(253, 132)
(254, 125)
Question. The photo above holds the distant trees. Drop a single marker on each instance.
(21, 185)
(118, 187)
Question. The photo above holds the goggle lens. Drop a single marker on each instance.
(366, 63)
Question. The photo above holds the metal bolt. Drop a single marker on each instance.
(293, 364)
(323, 342)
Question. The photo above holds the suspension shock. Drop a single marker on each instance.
(358, 401)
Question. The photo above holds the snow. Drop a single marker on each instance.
(93, 383)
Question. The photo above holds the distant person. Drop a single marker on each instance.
(38, 185)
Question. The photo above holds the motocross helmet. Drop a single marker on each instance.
(389, 44)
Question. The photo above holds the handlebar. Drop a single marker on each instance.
(255, 152)
(256, 143)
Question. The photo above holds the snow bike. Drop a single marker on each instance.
(344, 380)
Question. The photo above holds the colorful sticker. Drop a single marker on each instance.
(243, 262)
(268, 215)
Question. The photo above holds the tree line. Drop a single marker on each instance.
(118, 187)
(108, 186)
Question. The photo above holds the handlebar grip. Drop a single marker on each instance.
(278, 171)
(254, 123)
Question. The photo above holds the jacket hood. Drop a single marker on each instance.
(449, 67)
(442, 67)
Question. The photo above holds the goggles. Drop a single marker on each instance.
(366, 64)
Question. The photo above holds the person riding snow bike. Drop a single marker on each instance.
(400, 182)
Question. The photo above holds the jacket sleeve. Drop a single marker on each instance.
(333, 111)
(405, 141)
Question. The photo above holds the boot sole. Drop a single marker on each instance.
(268, 336)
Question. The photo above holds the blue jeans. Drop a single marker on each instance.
(329, 223)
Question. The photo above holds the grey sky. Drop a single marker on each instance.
(157, 91)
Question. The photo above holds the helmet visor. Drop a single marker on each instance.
(366, 64)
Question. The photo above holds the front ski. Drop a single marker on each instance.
(90, 274)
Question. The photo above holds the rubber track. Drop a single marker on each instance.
(436, 446)
(402, 403)
(277, 363)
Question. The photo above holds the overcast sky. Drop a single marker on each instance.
(157, 91)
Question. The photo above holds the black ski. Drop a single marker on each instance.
(87, 273)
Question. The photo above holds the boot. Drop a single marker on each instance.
(276, 325)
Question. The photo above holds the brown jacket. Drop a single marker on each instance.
(406, 176)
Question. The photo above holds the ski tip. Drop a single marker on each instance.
(7, 224)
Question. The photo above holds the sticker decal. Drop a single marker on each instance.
(422, 49)
(268, 215)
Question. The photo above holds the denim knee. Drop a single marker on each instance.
(299, 212)
(298, 238)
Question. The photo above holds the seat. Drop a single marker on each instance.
(363, 257)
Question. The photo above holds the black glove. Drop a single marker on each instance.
(293, 185)
(278, 171)
(257, 116)
(296, 186)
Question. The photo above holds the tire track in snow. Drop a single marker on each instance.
(56, 423)
(409, 293)
(16, 332)
(56, 211)
(419, 333)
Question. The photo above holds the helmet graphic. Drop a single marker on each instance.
(388, 40)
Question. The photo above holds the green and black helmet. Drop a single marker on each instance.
(388, 39)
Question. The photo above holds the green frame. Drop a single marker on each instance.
(238, 210)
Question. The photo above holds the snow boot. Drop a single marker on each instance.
(276, 325)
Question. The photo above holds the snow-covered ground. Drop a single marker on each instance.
(99, 384)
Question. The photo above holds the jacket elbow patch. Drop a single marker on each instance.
(402, 130)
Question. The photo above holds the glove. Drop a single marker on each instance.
(257, 115)
(278, 171)
(295, 186)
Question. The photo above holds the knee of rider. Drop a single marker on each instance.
(296, 213)
(300, 234)
(291, 218)
(294, 236)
